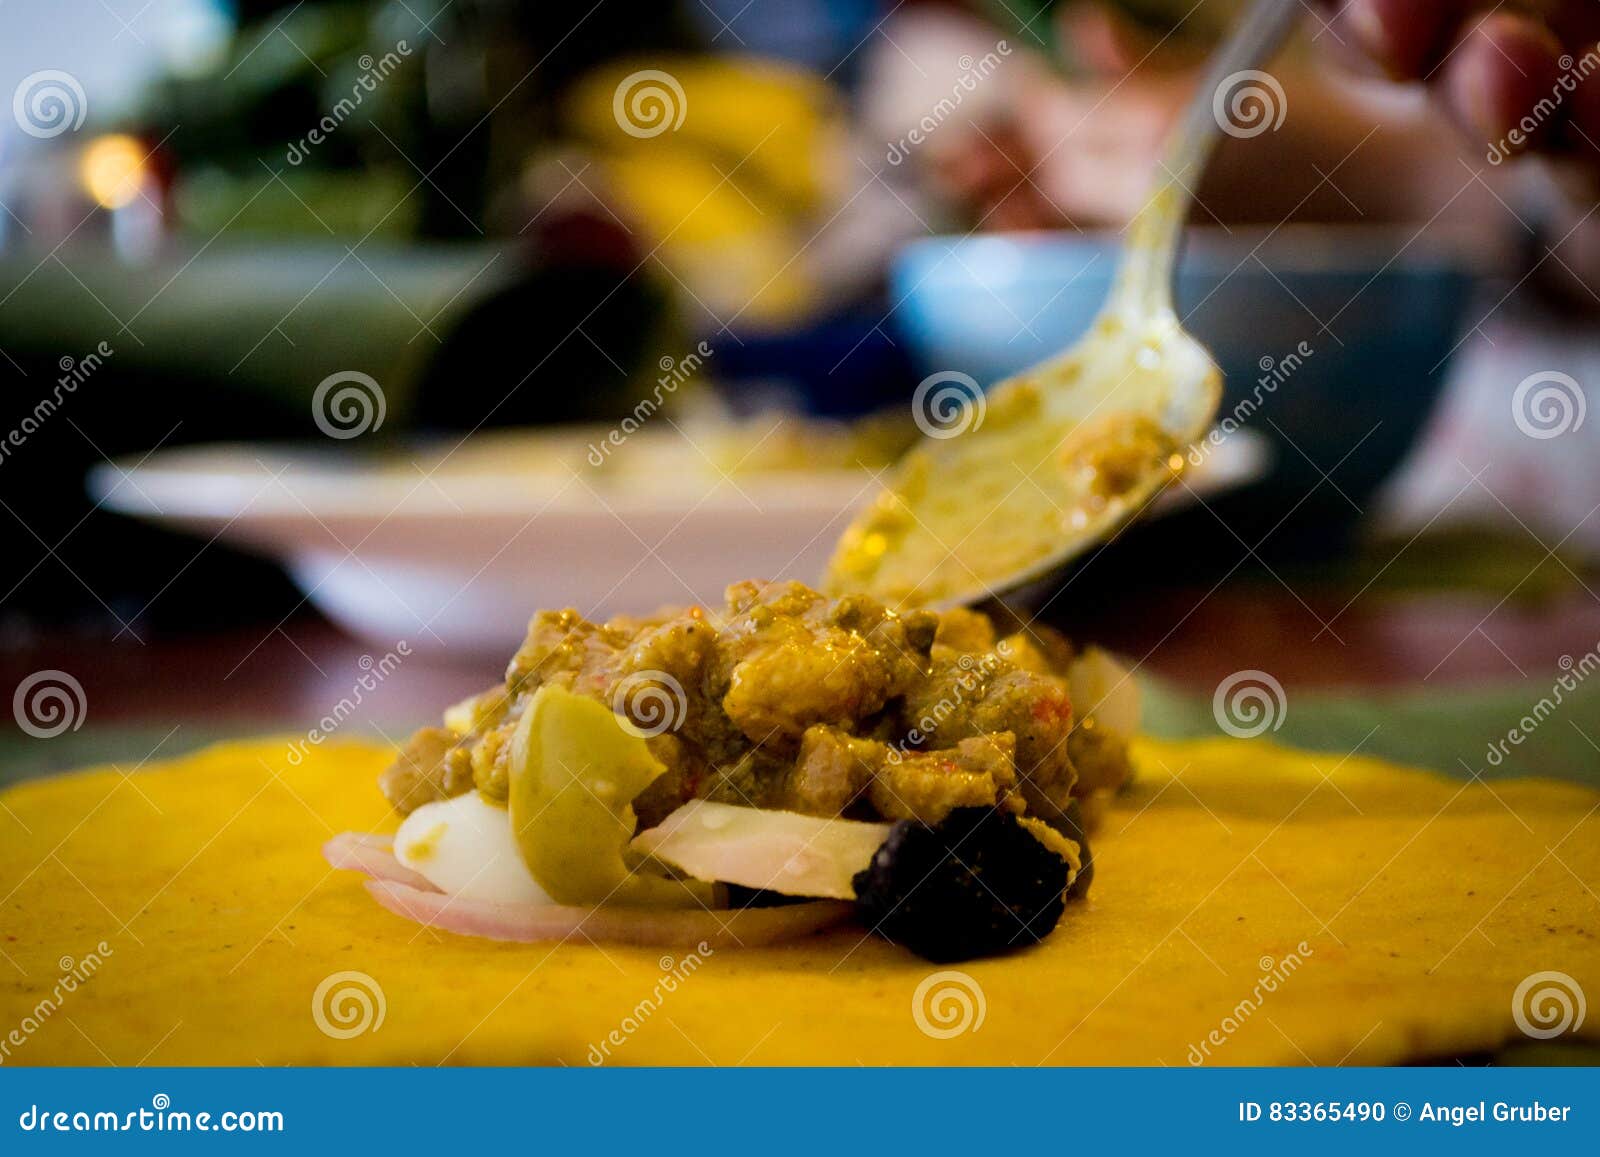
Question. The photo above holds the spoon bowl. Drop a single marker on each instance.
(1046, 464)
(1011, 485)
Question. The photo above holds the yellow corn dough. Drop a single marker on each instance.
(1395, 913)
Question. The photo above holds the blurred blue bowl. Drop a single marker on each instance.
(1378, 309)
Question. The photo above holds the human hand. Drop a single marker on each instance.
(1518, 78)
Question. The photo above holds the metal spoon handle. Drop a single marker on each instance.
(1231, 88)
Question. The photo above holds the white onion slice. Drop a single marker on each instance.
(659, 927)
(786, 852)
(372, 855)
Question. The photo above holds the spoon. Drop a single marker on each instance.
(1009, 485)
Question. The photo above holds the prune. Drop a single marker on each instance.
(975, 884)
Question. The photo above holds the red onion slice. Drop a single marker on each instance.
(659, 927)
(372, 855)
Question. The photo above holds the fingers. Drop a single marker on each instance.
(1499, 80)
(1498, 69)
(1406, 38)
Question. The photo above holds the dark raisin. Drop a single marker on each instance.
(975, 884)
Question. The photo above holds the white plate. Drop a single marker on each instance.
(461, 556)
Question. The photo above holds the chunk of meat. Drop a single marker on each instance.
(679, 647)
(965, 631)
(566, 649)
(491, 754)
(1100, 758)
(786, 686)
(1040, 650)
(966, 696)
(433, 765)
(929, 785)
(833, 769)
(790, 659)
(681, 782)
(758, 778)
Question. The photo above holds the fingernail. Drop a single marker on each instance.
(1364, 22)
(1470, 95)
